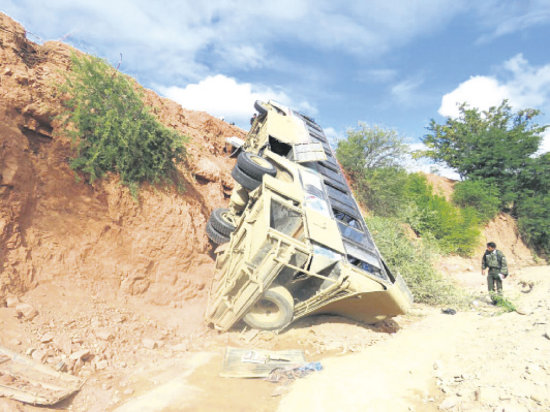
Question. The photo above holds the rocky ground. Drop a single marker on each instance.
(145, 357)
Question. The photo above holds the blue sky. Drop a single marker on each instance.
(393, 63)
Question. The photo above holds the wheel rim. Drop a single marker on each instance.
(266, 311)
(260, 161)
(227, 217)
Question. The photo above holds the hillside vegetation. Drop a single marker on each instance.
(397, 199)
(113, 129)
(496, 154)
(54, 227)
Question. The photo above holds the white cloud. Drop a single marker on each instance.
(223, 96)
(245, 56)
(529, 85)
(182, 37)
(185, 40)
(545, 145)
(522, 84)
(504, 18)
(478, 91)
(406, 91)
(427, 165)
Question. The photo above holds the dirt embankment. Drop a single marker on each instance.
(52, 226)
(502, 230)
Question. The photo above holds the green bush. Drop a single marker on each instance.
(456, 230)
(533, 205)
(113, 129)
(534, 221)
(504, 303)
(371, 156)
(413, 259)
(383, 191)
(484, 198)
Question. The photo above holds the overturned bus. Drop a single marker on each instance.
(293, 242)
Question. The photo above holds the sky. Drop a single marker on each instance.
(392, 63)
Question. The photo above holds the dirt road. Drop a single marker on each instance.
(166, 359)
(473, 361)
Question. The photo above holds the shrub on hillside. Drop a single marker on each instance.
(533, 208)
(414, 260)
(383, 191)
(371, 156)
(456, 230)
(534, 221)
(484, 198)
(113, 129)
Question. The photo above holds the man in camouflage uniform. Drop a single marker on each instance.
(495, 261)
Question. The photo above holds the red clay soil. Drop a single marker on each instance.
(53, 226)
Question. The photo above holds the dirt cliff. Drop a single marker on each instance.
(52, 226)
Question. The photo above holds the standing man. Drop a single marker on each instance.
(495, 261)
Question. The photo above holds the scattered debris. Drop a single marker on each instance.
(448, 311)
(258, 363)
(29, 381)
(25, 311)
(283, 374)
(527, 286)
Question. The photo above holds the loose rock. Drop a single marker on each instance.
(448, 403)
(39, 355)
(81, 354)
(105, 334)
(25, 311)
(48, 337)
(150, 343)
(12, 301)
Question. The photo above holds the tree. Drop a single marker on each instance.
(383, 190)
(484, 198)
(492, 145)
(371, 157)
(370, 148)
(533, 206)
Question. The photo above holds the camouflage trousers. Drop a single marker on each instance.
(494, 280)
